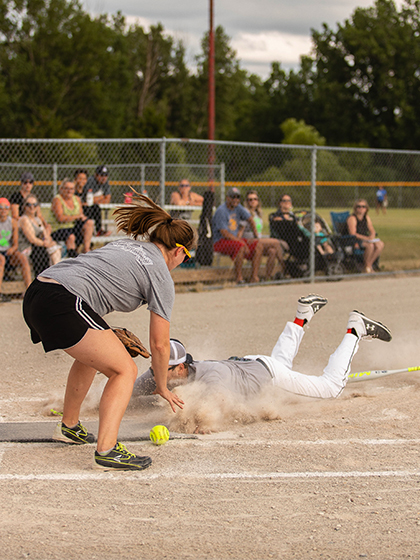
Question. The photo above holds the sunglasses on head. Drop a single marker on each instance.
(187, 253)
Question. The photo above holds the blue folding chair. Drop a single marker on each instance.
(353, 254)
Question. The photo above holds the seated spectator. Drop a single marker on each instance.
(96, 191)
(69, 222)
(184, 196)
(227, 233)
(10, 257)
(34, 240)
(360, 225)
(266, 246)
(322, 242)
(18, 198)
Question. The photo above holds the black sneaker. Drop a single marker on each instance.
(368, 328)
(121, 459)
(77, 435)
(309, 305)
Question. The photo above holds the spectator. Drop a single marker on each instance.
(34, 240)
(360, 225)
(267, 246)
(381, 200)
(227, 233)
(99, 187)
(18, 198)
(281, 221)
(70, 223)
(80, 180)
(184, 196)
(10, 256)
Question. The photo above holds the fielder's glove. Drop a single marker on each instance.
(133, 345)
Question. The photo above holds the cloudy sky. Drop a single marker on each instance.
(262, 31)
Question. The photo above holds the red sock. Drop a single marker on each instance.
(299, 322)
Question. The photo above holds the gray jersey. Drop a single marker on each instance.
(121, 276)
(245, 377)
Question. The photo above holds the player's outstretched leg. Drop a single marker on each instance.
(366, 329)
(308, 306)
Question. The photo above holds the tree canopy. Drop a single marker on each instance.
(65, 73)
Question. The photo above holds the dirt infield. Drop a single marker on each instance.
(280, 476)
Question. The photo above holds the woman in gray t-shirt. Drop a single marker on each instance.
(64, 309)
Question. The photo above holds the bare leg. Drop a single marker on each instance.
(256, 261)
(87, 231)
(2, 263)
(71, 242)
(239, 259)
(101, 351)
(18, 259)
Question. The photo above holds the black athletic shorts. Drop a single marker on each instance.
(56, 317)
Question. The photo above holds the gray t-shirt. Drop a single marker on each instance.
(245, 377)
(121, 276)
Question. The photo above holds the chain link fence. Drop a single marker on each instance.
(319, 180)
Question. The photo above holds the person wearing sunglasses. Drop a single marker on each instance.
(266, 246)
(249, 375)
(360, 226)
(184, 196)
(10, 256)
(34, 240)
(18, 198)
(227, 228)
(64, 309)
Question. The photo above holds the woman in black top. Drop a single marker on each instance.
(360, 225)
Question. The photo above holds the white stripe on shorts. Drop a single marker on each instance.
(85, 316)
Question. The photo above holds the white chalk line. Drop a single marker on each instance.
(261, 442)
(209, 476)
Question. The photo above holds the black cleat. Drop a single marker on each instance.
(368, 328)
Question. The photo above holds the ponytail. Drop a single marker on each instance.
(143, 217)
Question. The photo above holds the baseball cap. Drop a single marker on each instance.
(233, 193)
(101, 170)
(27, 177)
(178, 353)
(4, 201)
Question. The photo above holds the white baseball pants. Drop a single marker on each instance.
(328, 385)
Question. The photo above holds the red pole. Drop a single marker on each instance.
(212, 111)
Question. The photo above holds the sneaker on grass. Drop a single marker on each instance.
(119, 458)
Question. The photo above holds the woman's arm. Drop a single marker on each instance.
(28, 231)
(15, 238)
(14, 211)
(372, 232)
(176, 198)
(352, 226)
(160, 350)
(57, 208)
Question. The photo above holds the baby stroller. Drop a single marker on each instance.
(329, 256)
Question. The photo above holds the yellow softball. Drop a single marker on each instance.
(159, 435)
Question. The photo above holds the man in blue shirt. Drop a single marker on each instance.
(227, 232)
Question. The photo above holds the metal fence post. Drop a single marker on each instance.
(222, 182)
(313, 210)
(162, 171)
